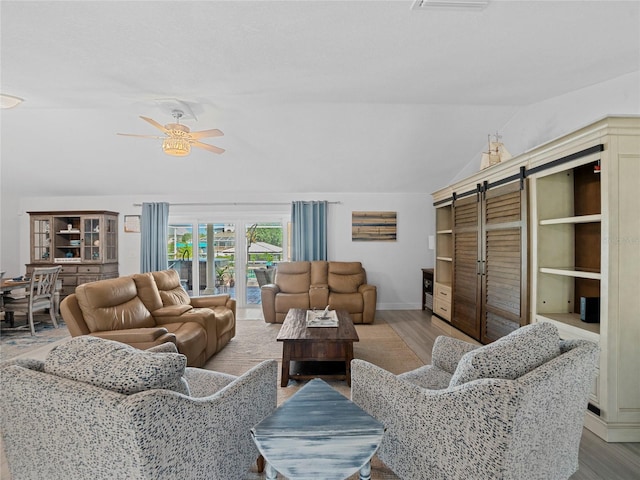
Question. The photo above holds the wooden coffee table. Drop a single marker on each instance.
(317, 344)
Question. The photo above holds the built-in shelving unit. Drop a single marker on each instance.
(579, 239)
(443, 275)
(568, 206)
(585, 204)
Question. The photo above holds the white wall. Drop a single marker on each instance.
(541, 122)
(394, 267)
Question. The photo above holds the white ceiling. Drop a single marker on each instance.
(347, 96)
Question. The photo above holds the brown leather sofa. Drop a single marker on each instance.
(341, 285)
(148, 309)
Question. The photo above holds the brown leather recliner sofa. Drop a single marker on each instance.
(148, 309)
(316, 284)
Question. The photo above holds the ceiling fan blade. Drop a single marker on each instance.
(214, 132)
(155, 124)
(211, 148)
(141, 136)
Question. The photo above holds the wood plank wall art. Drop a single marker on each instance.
(373, 226)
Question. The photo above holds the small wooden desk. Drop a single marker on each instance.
(8, 285)
(323, 344)
(318, 434)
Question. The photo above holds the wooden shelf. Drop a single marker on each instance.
(569, 321)
(572, 220)
(444, 232)
(445, 259)
(569, 272)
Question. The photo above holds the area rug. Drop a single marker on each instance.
(255, 341)
(15, 342)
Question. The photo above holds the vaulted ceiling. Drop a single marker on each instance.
(347, 96)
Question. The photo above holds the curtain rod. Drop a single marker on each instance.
(204, 204)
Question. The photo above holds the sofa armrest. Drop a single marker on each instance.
(208, 301)
(72, 316)
(203, 383)
(213, 427)
(365, 287)
(448, 351)
(142, 338)
(369, 299)
(268, 296)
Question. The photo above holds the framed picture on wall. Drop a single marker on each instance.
(132, 223)
(373, 226)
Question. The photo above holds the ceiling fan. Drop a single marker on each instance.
(179, 139)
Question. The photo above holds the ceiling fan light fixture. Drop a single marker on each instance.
(9, 101)
(176, 146)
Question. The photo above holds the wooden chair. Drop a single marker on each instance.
(40, 295)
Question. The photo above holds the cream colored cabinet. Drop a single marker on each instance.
(585, 198)
(85, 243)
(583, 227)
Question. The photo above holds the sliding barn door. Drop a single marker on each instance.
(466, 279)
(504, 263)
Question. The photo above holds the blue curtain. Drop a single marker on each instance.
(309, 230)
(154, 230)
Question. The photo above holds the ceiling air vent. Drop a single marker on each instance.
(449, 4)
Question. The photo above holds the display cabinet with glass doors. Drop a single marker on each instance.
(85, 243)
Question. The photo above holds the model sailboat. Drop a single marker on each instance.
(497, 153)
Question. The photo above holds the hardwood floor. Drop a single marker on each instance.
(598, 459)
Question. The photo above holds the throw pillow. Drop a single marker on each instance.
(511, 356)
(117, 366)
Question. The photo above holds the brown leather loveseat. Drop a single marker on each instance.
(341, 285)
(148, 309)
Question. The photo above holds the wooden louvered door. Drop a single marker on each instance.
(490, 262)
(466, 281)
(504, 261)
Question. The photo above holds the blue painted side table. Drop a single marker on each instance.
(318, 434)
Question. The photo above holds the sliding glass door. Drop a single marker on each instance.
(226, 257)
(264, 250)
(205, 261)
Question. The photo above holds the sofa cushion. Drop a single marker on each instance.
(113, 304)
(148, 291)
(117, 366)
(294, 277)
(286, 301)
(345, 277)
(350, 302)
(511, 356)
(429, 377)
(171, 291)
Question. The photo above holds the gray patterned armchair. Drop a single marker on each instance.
(513, 409)
(99, 409)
